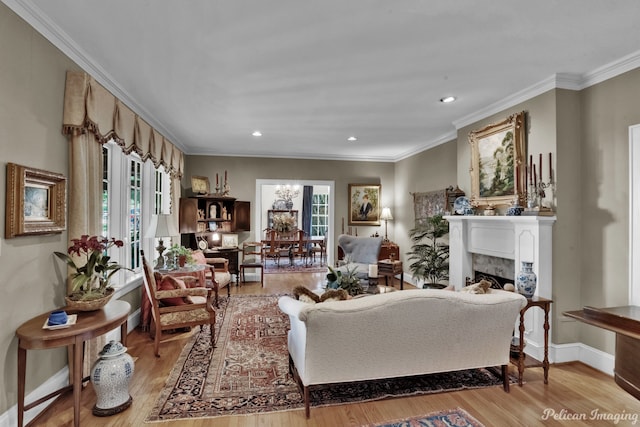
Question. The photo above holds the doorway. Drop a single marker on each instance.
(266, 197)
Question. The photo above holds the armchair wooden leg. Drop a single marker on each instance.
(156, 342)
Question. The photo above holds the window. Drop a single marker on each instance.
(320, 214)
(132, 191)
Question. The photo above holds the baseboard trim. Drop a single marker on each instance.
(572, 352)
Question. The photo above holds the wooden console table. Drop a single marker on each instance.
(90, 324)
(544, 304)
(625, 322)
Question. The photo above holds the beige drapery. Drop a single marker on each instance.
(93, 116)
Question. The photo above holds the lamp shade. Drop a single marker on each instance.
(386, 214)
(161, 226)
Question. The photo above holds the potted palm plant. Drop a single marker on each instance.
(429, 255)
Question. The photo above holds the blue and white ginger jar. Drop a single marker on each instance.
(526, 280)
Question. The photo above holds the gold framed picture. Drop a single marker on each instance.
(200, 184)
(364, 204)
(497, 162)
(36, 201)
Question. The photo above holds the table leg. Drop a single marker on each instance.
(545, 361)
(22, 368)
(402, 280)
(78, 350)
(124, 330)
(520, 350)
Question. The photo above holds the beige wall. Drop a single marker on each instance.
(608, 109)
(32, 77)
(430, 170)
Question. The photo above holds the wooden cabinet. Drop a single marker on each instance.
(201, 216)
(389, 250)
(222, 214)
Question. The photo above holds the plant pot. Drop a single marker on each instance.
(88, 305)
(182, 260)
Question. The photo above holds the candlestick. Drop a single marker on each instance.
(225, 175)
(216, 179)
(535, 176)
(530, 168)
(550, 174)
(517, 178)
(540, 167)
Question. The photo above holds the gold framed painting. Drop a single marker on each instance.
(200, 185)
(36, 201)
(497, 162)
(364, 204)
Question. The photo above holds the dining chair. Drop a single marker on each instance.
(273, 250)
(196, 309)
(253, 258)
(300, 248)
(319, 247)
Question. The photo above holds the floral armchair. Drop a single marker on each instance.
(197, 308)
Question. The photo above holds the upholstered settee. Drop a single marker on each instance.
(398, 334)
(359, 252)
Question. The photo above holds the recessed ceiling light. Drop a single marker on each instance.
(352, 138)
(256, 133)
(448, 99)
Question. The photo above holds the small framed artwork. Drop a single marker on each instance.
(36, 201)
(229, 241)
(364, 204)
(200, 184)
(497, 162)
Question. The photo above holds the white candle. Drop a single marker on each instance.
(373, 270)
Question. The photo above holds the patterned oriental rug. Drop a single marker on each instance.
(248, 372)
(453, 417)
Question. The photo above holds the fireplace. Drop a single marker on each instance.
(498, 271)
(513, 239)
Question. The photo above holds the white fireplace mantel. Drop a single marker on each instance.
(520, 238)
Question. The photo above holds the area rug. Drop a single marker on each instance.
(453, 417)
(298, 266)
(248, 372)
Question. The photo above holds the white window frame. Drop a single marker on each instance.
(326, 215)
(118, 188)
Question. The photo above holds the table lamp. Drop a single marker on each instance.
(159, 227)
(386, 216)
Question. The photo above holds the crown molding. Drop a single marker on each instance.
(450, 136)
(34, 16)
(561, 81)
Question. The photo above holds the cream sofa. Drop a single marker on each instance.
(396, 334)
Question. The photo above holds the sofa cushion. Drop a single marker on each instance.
(169, 283)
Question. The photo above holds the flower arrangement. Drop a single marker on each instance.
(287, 193)
(91, 279)
(283, 222)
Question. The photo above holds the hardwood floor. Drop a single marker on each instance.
(575, 393)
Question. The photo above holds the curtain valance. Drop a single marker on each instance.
(89, 107)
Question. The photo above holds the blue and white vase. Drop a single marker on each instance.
(526, 280)
(110, 376)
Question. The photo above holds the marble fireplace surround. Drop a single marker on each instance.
(516, 238)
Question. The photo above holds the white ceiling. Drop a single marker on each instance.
(309, 74)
